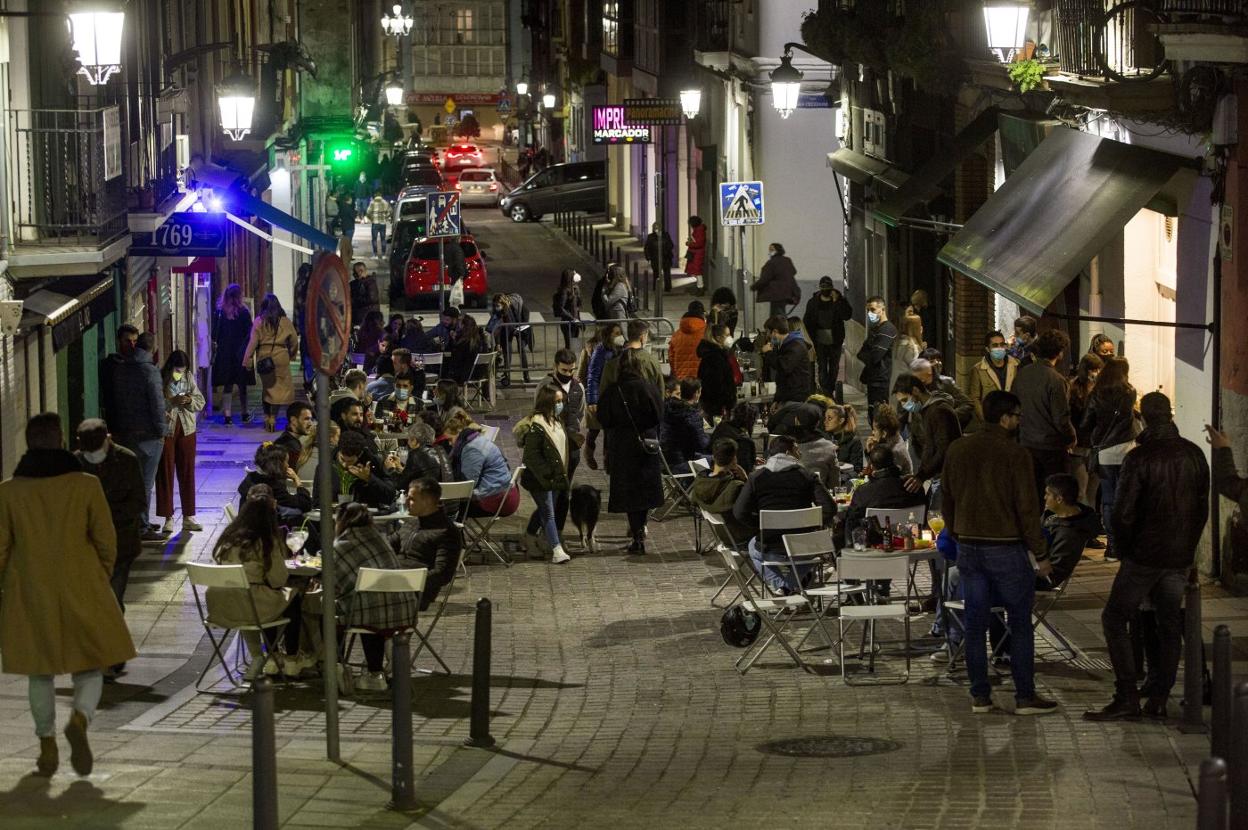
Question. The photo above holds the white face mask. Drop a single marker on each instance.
(576, 277)
(618, 341)
(728, 341)
(177, 374)
(96, 456)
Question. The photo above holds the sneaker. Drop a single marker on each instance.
(1117, 709)
(981, 705)
(152, 536)
(1035, 705)
(372, 682)
(939, 654)
(559, 556)
(245, 418)
(1155, 707)
(168, 526)
(189, 523)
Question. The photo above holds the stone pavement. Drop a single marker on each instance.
(614, 703)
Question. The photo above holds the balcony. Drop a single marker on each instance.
(67, 190)
(1209, 31)
(711, 30)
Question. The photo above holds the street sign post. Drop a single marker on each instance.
(741, 203)
(183, 234)
(443, 220)
(328, 336)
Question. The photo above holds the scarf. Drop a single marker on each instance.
(37, 463)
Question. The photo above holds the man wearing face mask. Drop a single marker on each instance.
(786, 361)
(933, 427)
(994, 372)
(876, 355)
(825, 317)
(925, 370)
(991, 509)
(1024, 336)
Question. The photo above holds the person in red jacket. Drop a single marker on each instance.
(695, 250)
(682, 351)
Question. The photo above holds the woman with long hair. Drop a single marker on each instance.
(476, 458)
(231, 328)
(567, 305)
(1111, 427)
(183, 401)
(617, 293)
(723, 309)
(631, 412)
(273, 345)
(447, 395)
(1081, 386)
(467, 343)
(359, 544)
(718, 371)
(546, 450)
(368, 338)
(255, 541)
(610, 339)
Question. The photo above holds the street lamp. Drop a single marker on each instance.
(396, 23)
(236, 98)
(786, 85)
(97, 40)
(394, 93)
(522, 87)
(691, 102)
(1005, 22)
(548, 100)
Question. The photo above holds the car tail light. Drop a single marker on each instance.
(458, 186)
(493, 185)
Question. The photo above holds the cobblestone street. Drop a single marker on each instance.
(614, 702)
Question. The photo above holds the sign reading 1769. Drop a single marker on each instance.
(183, 234)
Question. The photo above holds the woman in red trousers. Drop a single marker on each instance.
(183, 401)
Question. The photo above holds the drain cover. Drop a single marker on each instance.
(829, 746)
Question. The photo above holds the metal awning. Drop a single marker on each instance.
(60, 298)
(239, 202)
(863, 169)
(1059, 209)
(924, 185)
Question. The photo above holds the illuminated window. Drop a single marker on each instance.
(464, 32)
(611, 26)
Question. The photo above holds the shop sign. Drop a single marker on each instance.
(813, 101)
(459, 98)
(611, 127)
(656, 112)
(183, 234)
(71, 328)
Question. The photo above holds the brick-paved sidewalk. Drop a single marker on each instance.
(615, 703)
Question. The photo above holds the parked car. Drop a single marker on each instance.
(478, 186)
(574, 186)
(463, 155)
(406, 232)
(411, 204)
(427, 156)
(427, 179)
(420, 281)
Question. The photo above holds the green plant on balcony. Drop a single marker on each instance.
(918, 46)
(1026, 75)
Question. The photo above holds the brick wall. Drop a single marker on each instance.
(974, 305)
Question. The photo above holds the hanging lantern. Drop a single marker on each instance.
(236, 98)
(691, 102)
(786, 86)
(1006, 25)
(96, 37)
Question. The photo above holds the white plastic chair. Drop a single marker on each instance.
(228, 578)
(814, 550)
(864, 566)
(443, 597)
(491, 433)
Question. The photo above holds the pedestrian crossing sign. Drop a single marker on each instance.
(741, 203)
(443, 214)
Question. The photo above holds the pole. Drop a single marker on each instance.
(1238, 783)
(1223, 694)
(1193, 650)
(329, 620)
(1211, 800)
(479, 728)
(442, 269)
(263, 757)
(659, 177)
(402, 776)
(1215, 413)
(744, 291)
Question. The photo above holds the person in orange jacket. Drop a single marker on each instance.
(682, 352)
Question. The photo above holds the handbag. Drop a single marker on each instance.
(265, 365)
(650, 446)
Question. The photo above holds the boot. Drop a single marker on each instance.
(80, 756)
(49, 757)
(270, 423)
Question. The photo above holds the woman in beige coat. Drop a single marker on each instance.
(273, 345)
(58, 614)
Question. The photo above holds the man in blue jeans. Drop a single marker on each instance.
(991, 508)
(137, 421)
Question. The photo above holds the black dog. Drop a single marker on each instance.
(585, 504)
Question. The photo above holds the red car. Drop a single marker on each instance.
(463, 155)
(421, 277)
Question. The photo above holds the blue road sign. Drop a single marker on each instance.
(183, 234)
(443, 214)
(741, 203)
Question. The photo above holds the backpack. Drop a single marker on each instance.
(598, 302)
(739, 626)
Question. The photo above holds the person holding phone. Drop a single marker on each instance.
(183, 402)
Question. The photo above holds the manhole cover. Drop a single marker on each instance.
(829, 746)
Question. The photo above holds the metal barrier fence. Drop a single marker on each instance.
(527, 350)
(580, 227)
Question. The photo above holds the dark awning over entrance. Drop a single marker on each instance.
(242, 202)
(862, 169)
(925, 184)
(1062, 206)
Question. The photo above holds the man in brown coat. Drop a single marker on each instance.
(58, 614)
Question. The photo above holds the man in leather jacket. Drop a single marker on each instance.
(1159, 514)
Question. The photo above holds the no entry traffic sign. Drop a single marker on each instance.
(444, 218)
(328, 317)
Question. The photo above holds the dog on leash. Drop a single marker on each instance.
(585, 503)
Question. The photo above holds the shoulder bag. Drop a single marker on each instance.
(265, 365)
(648, 445)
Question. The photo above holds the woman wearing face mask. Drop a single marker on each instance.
(718, 371)
(777, 282)
(610, 342)
(183, 401)
(1081, 386)
(567, 305)
(546, 450)
(994, 371)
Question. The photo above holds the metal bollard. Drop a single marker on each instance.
(1193, 653)
(263, 757)
(1237, 781)
(1223, 694)
(1211, 799)
(402, 775)
(479, 729)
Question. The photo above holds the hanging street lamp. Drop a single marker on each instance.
(548, 100)
(1005, 22)
(786, 85)
(96, 37)
(396, 23)
(236, 98)
(691, 102)
(522, 87)
(394, 94)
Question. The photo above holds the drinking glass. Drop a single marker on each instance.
(936, 522)
(296, 539)
(860, 538)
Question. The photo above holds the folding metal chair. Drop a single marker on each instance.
(774, 613)
(725, 542)
(432, 366)
(675, 492)
(443, 597)
(491, 433)
(815, 550)
(482, 387)
(698, 467)
(1046, 601)
(228, 578)
(456, 499)
(477, 531)
(802, 518)
(382, 581)
(864, 566)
